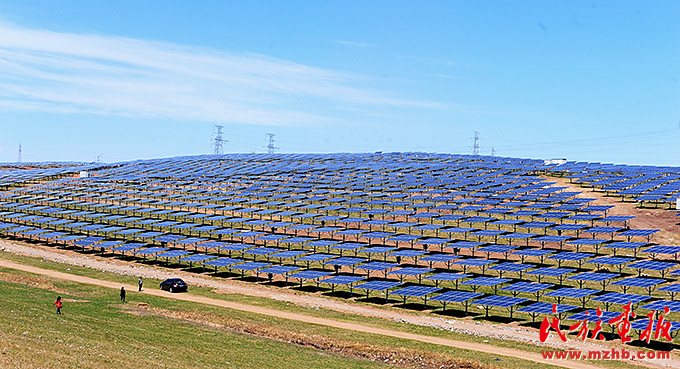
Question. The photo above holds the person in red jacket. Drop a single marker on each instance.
(59, 304)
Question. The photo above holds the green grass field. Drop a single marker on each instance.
(97, 331)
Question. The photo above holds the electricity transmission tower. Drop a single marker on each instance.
(475, 144)
(493, 151)
(270, 144)
(19, 154)
(218, 141)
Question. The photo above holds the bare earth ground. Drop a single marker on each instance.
(665, 220)
(492, 331)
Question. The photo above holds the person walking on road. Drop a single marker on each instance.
(122, 294)
(58, 304)
(140, 282)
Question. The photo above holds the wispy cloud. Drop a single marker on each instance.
(41, 70)
(355, 43)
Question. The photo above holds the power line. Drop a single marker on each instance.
(218, 140)
(599, 141)
(475, 144)
(270, 144)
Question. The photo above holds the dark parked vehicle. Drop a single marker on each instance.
(174, 285)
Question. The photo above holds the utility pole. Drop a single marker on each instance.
(475, 145)
(218, 141)
(19, 154)
(270, 144)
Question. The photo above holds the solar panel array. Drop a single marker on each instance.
(424, 216)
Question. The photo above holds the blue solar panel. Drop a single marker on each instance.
(624, 245)
(169, 238)
(500, 301)
(378, 250)
(279, 269)
(416, 291)
(651, 265)
(288, 254)
(129, 247)
(610, 260)
(616, 218)
(606, 230)
(532, 252)
(150, 251)
(638, 282)
(487, 233)
(551, 271)
(87, 241)
(620, 298)
(405, 238)
(378, 285)
(574, 256)
(474, 262)
(348, 246)
(551, 238)
(670, 288)
(173, 254)
(520, 236)
(343, 279)
(497, 248)
(345, 261)
(638, 232)
(298, 239)
(466, 244)
(107, 244)
(456, 296)
(411, 271)
(190, 241)
(458, 229)
(546, 308)
(322, 243)
(526, 287)
(486, 281)
(212, 244)
(197, 258)
(251, 266)
(587, 242)
(236, 247)
(408, 253)
(314, 257)
(571, 292)
(511, 267)
(661, 304)
(594, 277)
(448, 276)
(440, 258)
(672, 250)
(261, 251)
(377, 266)
(223, 262)
(569, 227)
(434, 241)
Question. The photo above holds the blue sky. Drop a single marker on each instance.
(589, 81)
